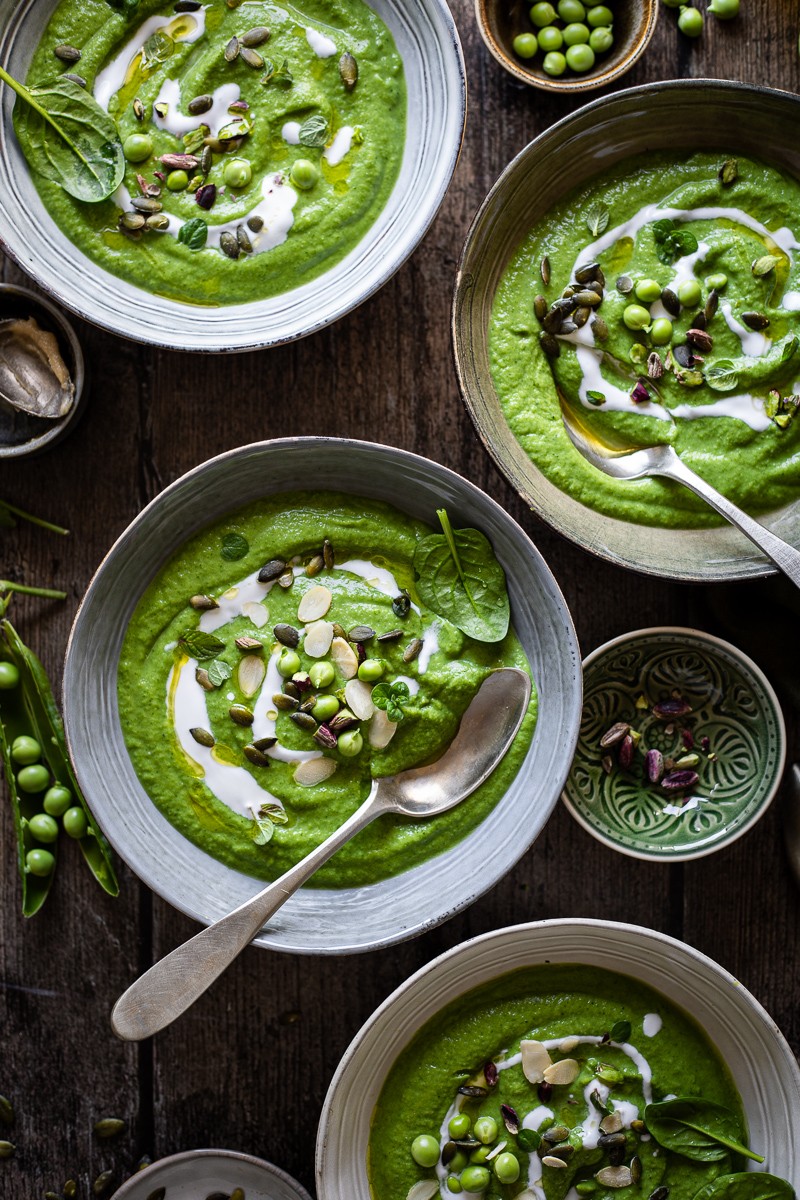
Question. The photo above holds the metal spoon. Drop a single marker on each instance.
(662, 460)
(487, 729)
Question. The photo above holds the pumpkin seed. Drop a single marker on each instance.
(580, 317)
(412, 650)
(271, 570)
(671, 302)
(245, 245)
(251, 57)
(255, 36)
(81, 82)
(257, 757)
(287, 635)
(607, 1140)
(290, 688)
(550, 1160)
(6, 1111)
(755, 320)
(392, 636)
(614, 1177)
(765, 264)
(131, 221)
(68, 54)
(204, 679)
(284, 702)
(228, 244)
(241, 714)
(591, 271)
(553, 321)
(304, 721)
(158, 222)
(540, 308)
(255, 224)
(544, 270)
(550, 345)
(203, 603)
(203, 738)
(206, 161)
(328, 555)
(555, 1134)
(348, 71)
(200, 104)
(138, 109)
(636, 1168)
(728, 172)
(314, 565)
(401, 605)
(600, 329)
(624, 285)
(612, 1123)
(588, 298)
(232, 49)
(146, 204)
(361, 633)
(265, 743)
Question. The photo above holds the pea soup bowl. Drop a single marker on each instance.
(759, 1061)
(317, 920)
(428, 43)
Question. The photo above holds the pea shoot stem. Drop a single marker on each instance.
(40, 521)
(7, 585)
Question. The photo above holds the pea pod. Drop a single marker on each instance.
(45, 720)
(14, 723)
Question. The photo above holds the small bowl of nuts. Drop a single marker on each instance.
(682, 745)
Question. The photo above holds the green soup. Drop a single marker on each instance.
(219, 727)
(725, 395)
(260, 224)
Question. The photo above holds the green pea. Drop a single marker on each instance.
(40, 862)
(75, 822)
(33, 779)
(350, 744)
(661, 332)
(177, 181)
(672, 3)
(525, 45)
(454, 1184)
(321, 674)
(586, 1187)
(599, 14)
(459, 1160)
(475, 1179)
(325, 708)
(679, 339)
(425, 1150)
(726, 10)
(25, 750)
(542, 14)
(506, 1168)
(237, 173)
(57, 800)
(371, 669)
(485, 1130)
(636, 317)
(304, 174)
(580, 58)
(43, 828)
(288, 663)
(554, 64)
(459, 1126)
(9, 676)
(689, 293)
(137, 147)
(571, 10)
(718, 281)
(576, 34)
(647, 290)
(479, 1156)
(601, 40)
(690, 22)
(550, 39)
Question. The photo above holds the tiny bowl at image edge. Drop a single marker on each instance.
(734, 705)
(760, 1061)
(428, 43)
(499, 23)
(570, 153)
(201, 1172)
(317, 920)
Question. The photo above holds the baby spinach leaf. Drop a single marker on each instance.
(696, 1128)
(66, 136)
(314, 131)
(234, 547)
(390, 697)
(620, 1031)
(200, 645)
(746, 1185)
(461, 580)
(193, 233)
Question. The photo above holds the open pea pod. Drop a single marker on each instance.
(14, 723)
(45, 719)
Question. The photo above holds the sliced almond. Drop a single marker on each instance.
(250, 674)
(425, 1189)
(358, 697)
(344, 658)
(257, 613)
(314, 771)
(566, 1070)
(319, 635)
(315, 603)
(614, 1177)
(569, 1044)
(535, 1060)
(550, 1160)
(381, 730)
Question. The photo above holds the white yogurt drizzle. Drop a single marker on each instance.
(176, 123)
(651, 1025)
(291, 133)
(754, 344)
(109, 81)
(339, 147)
(430, 644)
(323, 46)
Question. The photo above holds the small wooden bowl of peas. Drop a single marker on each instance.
(566, 45)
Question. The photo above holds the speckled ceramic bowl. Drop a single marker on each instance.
(761, 1063)
(739, 768)
(316, 920)
(499, 23)
(428, 43)
(742, 119)
(198, 1173)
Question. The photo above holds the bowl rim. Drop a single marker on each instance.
(206, 341)
(478, 885)
(751, 568)
(713, 641)
(513, 932)
(151, 1172)
(579, 83)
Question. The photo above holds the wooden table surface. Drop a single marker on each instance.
(249, 1066)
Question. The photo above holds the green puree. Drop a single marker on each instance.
(554, 1001)
(328, 219)
(758, 468)
(283, 527)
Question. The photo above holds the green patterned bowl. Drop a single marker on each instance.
(735, 730)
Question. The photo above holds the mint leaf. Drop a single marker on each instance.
(597, 218)
(390, 697)
(193, 233)
(218, 672)
(234, 547)
(314, 131)
(201, 645)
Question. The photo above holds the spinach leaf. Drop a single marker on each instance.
(696, 1128)
(746, 1185)
(390, 697)
(461, 580)
(200, 645)
(66, 136)
(193, 233)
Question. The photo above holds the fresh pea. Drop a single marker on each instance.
(371, 670)
(554, 64)
(350, 743)
(648, 291)
(479, 1156)
(458, 1161)
(576, 34)
(542, 14)
(324, 708)
(550, 39)
(75, 823)
(690, 22)
(571, 10)
(580, 58)
(237, 173)
(454, 1184)
(44, 828)
(485, 1130)
(137, 147)
(177, 181)
(689, 293)
(726, 10)
(425, 1150)
(459, 1126)
(57, 800)
(321, 674)
(25, 750)
(525, 45)
(718, 281)
(506, 1168)
(661, 332)
(9, 676)
(40, 863)
(304, 174)
(33, 779)
(601, 40)
(288, 663)
(599, 14)
(475, 1179)
(636, 317)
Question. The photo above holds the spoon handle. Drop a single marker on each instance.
(174, 983)
(785, 557)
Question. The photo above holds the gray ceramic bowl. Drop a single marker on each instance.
(316, 920)
(198, 1173)
(428, 43)
(762, 1064)
(736, 118)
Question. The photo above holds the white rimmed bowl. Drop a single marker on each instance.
(317, 920)
(197, 1173)
(760, 1061)
(428, 43)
